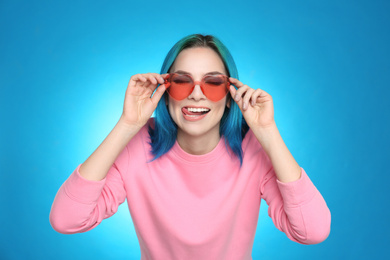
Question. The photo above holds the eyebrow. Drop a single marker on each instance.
(208, 73)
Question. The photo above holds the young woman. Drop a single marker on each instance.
(194, 175)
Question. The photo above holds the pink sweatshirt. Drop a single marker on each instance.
(193, 206)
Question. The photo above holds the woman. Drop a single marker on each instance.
(194, 176)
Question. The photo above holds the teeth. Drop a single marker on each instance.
(192, 109)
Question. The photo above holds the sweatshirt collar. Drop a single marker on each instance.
(216, 153)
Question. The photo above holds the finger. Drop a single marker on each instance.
(151, 78)
(241, 87)
(240, 92)
(158, 94)
(257, 93)
(140, 77)
(239, 103)
(148, 84)
(232, 90)
(246, 98)
(158, 77)
(236, 82)
(134, 80)
(163, 76)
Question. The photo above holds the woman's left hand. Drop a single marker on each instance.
(256, 105)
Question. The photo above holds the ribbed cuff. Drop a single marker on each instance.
(298, 192)
(82, 190)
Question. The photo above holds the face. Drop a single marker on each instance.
(196, 115)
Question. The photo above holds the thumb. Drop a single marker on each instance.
(158, 94)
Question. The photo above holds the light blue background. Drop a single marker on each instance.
(65, 65)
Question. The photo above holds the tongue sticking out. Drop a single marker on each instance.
(193, 113)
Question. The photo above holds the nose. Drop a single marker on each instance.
(197, 93)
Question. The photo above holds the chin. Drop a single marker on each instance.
(197, 129)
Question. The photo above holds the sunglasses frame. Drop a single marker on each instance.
(167, 83)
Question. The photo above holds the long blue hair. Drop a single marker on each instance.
(233, 126)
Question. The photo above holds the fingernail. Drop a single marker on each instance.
(244, 106)
(236, 97)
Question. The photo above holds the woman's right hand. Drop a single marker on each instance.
(139, 103)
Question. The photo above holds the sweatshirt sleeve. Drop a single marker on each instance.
(81, 204)
(296, 208)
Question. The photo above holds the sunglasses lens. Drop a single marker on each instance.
(181, 86)
(215, 87)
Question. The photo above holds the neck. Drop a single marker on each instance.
(197, 145)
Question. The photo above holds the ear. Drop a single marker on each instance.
(228, 100)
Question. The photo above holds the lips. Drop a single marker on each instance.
(195, 110)
(194, 113)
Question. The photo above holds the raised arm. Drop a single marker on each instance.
(95, 189)
(296, 206)
(138, 107)
(257, 109)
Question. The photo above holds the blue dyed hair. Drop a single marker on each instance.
(233, 126)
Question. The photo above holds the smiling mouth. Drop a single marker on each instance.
(195, 111)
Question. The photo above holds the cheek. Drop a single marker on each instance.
(222, 105)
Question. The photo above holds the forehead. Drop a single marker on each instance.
(198, 61)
